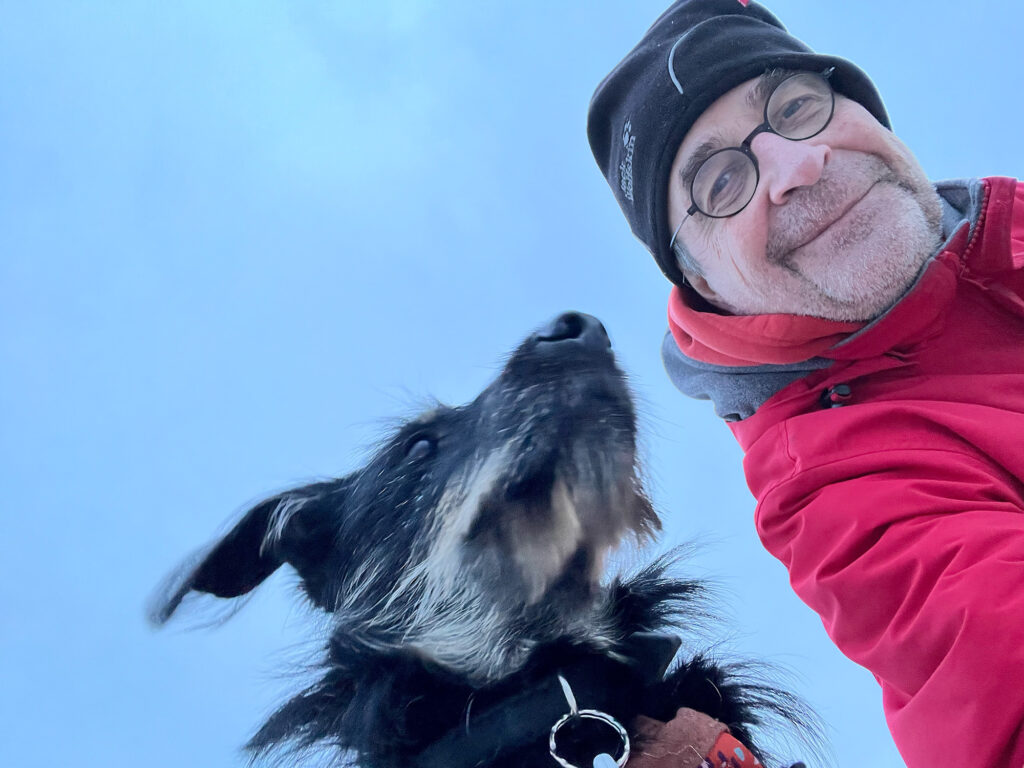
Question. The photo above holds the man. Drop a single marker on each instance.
(814, 266)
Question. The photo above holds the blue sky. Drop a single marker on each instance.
(237, 238)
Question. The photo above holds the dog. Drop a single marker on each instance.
(463, 568)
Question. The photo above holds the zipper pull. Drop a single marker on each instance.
(836, 396)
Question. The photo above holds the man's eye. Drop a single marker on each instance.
(725, 182)
(722, 182)
(792, 108)
(720, 187)
(794, 114)
(725, 194)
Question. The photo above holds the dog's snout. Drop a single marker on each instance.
(576, 328)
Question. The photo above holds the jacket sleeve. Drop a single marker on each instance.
(913, 556)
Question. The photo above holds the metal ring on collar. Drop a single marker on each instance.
(587, 714)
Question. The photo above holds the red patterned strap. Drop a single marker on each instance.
(691, 739)
(729, 753)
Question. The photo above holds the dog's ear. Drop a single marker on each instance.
(293, 527)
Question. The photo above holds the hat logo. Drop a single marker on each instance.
(626, 166)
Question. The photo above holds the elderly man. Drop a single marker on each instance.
(862, 331)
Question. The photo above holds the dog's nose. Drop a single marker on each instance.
(576, 328)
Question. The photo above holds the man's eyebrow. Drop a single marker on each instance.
(757, 96)
(703, 151)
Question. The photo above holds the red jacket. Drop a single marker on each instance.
(899, 514)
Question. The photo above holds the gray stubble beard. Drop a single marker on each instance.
(910, 242)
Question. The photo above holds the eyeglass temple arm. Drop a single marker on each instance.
(689, 212)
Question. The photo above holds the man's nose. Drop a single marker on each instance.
(786, 165)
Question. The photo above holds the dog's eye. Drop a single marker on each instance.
(420, 447)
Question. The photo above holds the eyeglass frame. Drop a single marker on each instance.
(745, 148)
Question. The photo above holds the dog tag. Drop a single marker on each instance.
(605, 760)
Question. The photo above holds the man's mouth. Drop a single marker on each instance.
(832, 219)
(815, 210)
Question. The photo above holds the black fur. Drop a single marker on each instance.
(463, 566)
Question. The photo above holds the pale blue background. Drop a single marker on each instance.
(234, 237)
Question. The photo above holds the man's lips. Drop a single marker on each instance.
(833, 219)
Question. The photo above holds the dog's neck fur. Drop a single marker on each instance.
(464, 631)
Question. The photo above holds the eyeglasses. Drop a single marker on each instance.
(798, 108)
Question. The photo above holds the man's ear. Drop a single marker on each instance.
(289, 527)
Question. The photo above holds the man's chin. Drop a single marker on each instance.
(868, 257)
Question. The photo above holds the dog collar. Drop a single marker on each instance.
(600, 682)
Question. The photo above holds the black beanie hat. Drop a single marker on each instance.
(695, 52)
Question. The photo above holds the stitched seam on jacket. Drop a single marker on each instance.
(793, 471)
(971, 458)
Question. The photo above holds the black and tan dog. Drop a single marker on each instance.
(464, 570)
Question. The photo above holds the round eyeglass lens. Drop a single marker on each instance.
(725, 183)
(800, 106)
